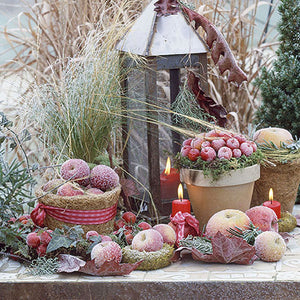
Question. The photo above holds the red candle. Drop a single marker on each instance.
(169, 180)
(180, 204)
(275, 205)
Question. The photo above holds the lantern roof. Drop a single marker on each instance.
(153, 35)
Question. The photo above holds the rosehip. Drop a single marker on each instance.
(196, 143)
(33, 240)
(185, 150)
(46, 237)
(211, 133)
(129, 237)
(119, 224)
(129, 217)
(205, 144)
(241, 138)
(41, 250)
(91, 233)
(194, 154)
(187, 142)
(246, 149)
(105, 238)
(225, 153)
(233, 143)
(208, 153)
(144, 225)
(236, 153)
(218, 143)
(254, 146)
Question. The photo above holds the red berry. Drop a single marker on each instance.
(254, 146)
(196, 143)
(236, 153)
(233, 143)
(119, 224)
(185, 150)
(241, 138)
(46, 237)
(144, 225)
(91, 233)
(194, 154)
(208, 153)
(205, 144)
(187, 142)
(129, 217)
(41, 250)
(246, 149)
(33, 240)
(211, 133)
(225, 153)
(218, 143)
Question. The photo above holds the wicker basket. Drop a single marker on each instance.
(81, 203)
(284, 179)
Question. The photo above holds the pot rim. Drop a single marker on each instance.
(231, 178)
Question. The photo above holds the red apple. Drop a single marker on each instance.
(224, 220)
(167, 232)
(147, 240)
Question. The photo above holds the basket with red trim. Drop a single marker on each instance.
(92, 212)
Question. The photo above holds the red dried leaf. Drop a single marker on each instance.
(206, 103)
(109, 268)
(226, 250)
(166, 7)
(69, 263)
(219, 47)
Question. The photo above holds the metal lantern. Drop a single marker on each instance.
(166, 41)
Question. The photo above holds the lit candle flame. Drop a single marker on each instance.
(180, 191)
(168, 166)
(271, 195)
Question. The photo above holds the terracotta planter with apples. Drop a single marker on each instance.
(232, 190)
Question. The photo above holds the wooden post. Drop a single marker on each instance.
(152, 134)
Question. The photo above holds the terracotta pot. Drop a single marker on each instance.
(232, 190)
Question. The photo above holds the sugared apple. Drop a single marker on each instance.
(269, 246)
(263, 217)
(106, 251)
(167, 232)
(274, 135)
(147, 240)
(224, 220)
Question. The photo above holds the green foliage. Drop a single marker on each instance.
(214, 169)
(16, 181)
(201, 243)
(280, 86)
(66, 237)
(186, 106)
(78, 115)
(44, 266)
(249, 234)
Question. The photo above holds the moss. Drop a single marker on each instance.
(151, 260)
(287, 222)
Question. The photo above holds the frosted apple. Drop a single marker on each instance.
(274, 135)
(167, 232)
(263, 217)
(147, 240)
(106, 251)
(269, 246)
(224, 220)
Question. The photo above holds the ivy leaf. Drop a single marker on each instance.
(59, 240)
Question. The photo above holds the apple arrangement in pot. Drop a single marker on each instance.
(281, 172)
(219, 169)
